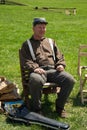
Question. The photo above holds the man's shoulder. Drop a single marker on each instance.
(24, 44)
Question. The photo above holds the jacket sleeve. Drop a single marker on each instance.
(59, 57)
(27, 59)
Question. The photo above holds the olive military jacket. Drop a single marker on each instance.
(43, 53)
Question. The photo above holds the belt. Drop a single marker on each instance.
(47, 67)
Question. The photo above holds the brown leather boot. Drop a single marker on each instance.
(61, 113)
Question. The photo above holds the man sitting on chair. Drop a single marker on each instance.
(46, 64)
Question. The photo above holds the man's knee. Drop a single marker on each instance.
(36, 79)
(68, 78)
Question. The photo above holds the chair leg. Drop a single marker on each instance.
(27, 102)
(26, 99)
(82, 83)
(81, 91)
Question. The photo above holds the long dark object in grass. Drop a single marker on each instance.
(67, 11)
(22, 114)
(52, 8)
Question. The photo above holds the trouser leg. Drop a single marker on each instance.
(66, 82)
(36, 83)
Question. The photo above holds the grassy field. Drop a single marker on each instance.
(69, 31)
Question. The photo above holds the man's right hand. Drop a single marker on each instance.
(40, 71)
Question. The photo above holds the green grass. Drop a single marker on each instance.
(69, 31)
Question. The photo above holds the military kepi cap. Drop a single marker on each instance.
(39, 21)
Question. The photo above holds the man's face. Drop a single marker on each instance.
(39, 30)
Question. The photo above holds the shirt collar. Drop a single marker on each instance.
(32, 38)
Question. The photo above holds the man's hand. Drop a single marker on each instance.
(60, 68)
(40, 71)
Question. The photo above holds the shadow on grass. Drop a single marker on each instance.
(18, 123)
(47, 108)
(12, 3)
(15, 123)
(77, 101)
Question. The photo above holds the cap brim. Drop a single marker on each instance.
(39, 22)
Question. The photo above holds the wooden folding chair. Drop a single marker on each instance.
(48, 88)
(82, 72)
